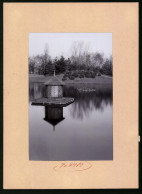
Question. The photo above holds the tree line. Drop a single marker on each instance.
(82, 63)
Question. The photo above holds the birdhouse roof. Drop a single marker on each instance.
(54, 121)
(54, 81)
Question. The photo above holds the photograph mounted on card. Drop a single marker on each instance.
(70, 95)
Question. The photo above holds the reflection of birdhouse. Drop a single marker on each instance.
(54, 88)
(54, 112)
(53, 115)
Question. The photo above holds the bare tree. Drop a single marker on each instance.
(46, 53)
(98, 59)
(80, 52)
(77, 48)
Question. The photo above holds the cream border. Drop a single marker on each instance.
(119, 18)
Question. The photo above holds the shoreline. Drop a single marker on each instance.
(103, 80)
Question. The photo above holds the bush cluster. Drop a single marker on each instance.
(78, 74)
(46, 66)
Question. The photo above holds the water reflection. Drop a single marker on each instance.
(82, 131)
(36, 91)
(53, 115)
(84, 103)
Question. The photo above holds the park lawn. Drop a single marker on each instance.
(97, 80)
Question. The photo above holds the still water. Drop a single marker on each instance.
(84, 133)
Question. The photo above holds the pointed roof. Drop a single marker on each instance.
(54, 81)
(54, 122)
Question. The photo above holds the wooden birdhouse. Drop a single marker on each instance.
(54, 88)
(53, 98)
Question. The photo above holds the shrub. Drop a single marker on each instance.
(75, 74)
(93, 75)
(71, 77)
(81, 76)
(88, 74)
(67, 73)
(71, 72)
(91, 68)
(64, 78)
(94, 70)
(83, 72)
(98, 74)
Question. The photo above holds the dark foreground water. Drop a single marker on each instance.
(84, 133)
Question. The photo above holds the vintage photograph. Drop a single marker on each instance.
(70, 96)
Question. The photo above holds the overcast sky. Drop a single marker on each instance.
(60, 43)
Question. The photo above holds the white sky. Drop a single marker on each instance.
(60, 43)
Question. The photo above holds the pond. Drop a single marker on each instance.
(84, 133)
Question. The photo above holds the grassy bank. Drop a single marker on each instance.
(97, 80)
